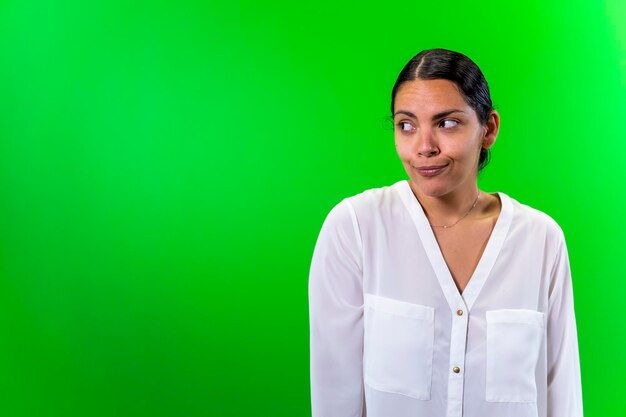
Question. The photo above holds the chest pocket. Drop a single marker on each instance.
(398, 346)
(514, 339)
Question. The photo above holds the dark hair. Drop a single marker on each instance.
(438, 63)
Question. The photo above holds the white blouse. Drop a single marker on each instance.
(391, 336)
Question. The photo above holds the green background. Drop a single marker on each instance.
(165, 168)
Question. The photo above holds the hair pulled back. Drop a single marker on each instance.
(439, 63)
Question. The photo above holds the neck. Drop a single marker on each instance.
(447, 208)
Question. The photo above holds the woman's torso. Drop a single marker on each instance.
(428, 350)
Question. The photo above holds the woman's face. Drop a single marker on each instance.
(438, 136)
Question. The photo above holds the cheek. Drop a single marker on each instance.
(403, 147)
(465, 149)
(399, 147)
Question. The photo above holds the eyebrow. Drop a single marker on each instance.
(435, 116)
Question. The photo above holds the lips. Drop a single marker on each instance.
(430, 170)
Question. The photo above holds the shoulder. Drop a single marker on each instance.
(375, 200)
(373, 195)
(360, 210)
(533, 221)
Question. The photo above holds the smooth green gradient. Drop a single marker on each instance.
(165, 168)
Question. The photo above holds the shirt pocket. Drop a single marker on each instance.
(514, 339)
(398, 346)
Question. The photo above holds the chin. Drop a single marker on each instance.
(430, 188)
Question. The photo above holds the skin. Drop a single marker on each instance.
(453, 141)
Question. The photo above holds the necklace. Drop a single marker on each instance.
(462, 217)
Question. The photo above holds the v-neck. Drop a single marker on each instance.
(435, 255)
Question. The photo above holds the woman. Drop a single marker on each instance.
(431, 298)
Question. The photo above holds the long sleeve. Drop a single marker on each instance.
(336, 317)
(564, 381)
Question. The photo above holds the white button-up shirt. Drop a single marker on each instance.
(391, 336)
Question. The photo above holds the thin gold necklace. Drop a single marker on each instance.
(462, 217)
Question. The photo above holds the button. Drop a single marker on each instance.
(459, 312)
(456, 369)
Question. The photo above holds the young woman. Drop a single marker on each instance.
(430, 297)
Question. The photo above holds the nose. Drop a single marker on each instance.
(427, 143)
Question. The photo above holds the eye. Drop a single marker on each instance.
(405, 126)
(450, 123)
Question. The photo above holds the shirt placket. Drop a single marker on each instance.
(456, 367)
(459, 305)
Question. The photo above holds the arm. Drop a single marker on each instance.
(564, 384)
(336, 317)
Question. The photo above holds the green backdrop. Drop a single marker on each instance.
(165, 168)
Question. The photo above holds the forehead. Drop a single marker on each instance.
(429, 95)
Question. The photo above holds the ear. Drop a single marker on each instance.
(491, 130)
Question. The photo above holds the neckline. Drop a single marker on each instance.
(488, 258)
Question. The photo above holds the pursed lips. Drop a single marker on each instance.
(430, 170)
(431, 167)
